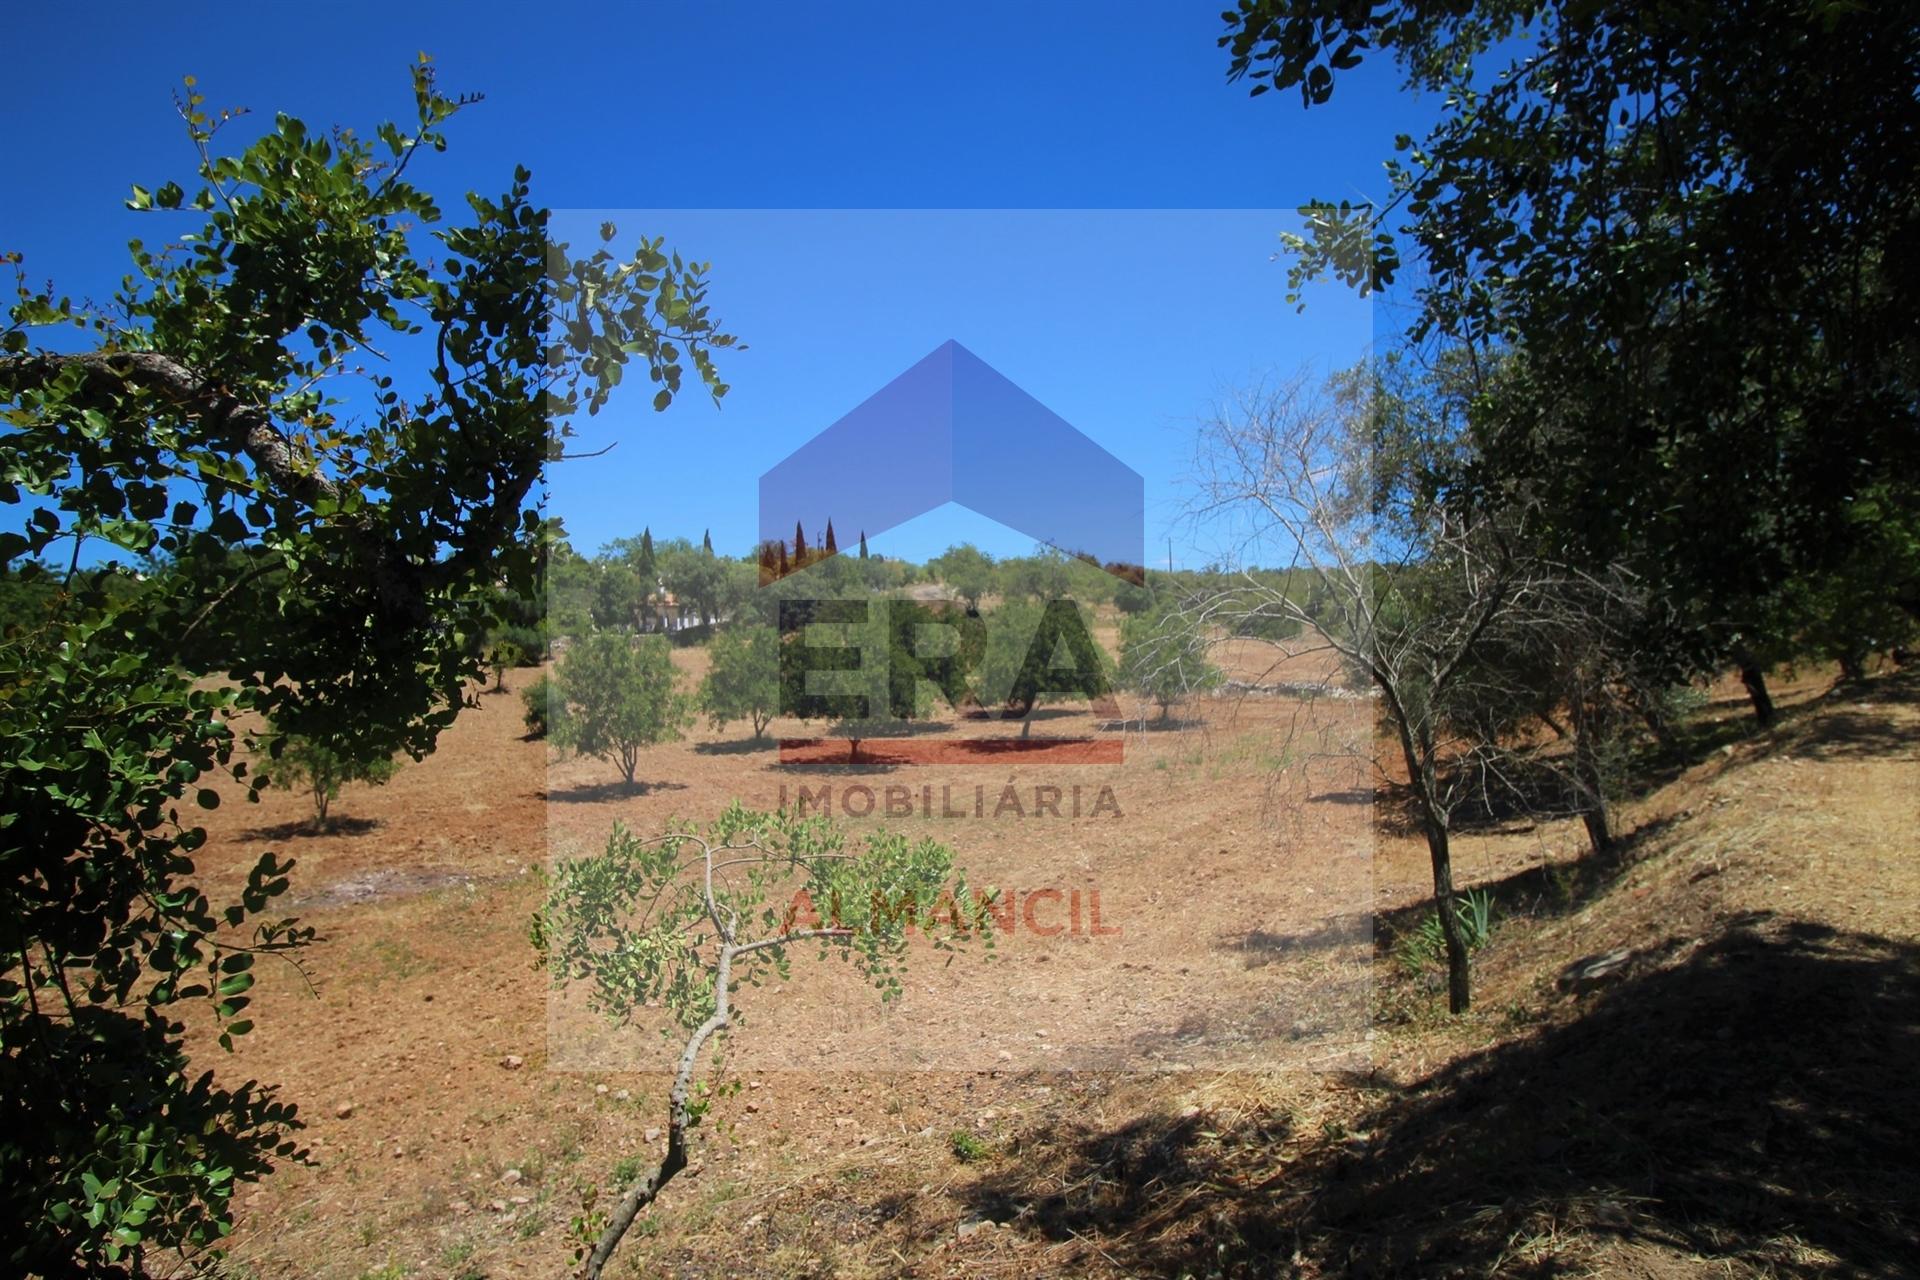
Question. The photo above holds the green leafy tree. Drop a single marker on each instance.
(572, 588)
(519, 638)
(687, 920)
(1163, 656)
(218, 407)
(621, 597)
(614, 696)
(321, 769)
(739, 580)
(1692, 236)
(1045, 575)
(1850, 613)
(965, 570)
(1130, 599)
(743, 682)
(870, 666)
(835, 666)
(1034, 653)
(503, 654)
(698, 579)
(643, 560)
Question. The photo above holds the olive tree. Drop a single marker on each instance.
(321, 768)
(1163, 656)
(326, 403)
(743, 682)
(614, 695)
(854, 662)
(965, 570)
(1041, 652)
(685, 920)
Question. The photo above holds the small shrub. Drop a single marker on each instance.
(298, 762)
(1426, 944)
(966, 1146)
(502, 654)
(528, 640)
(537, 697)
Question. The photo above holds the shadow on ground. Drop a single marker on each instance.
(1839, 723)
(1753, 1099)
(598, 792)
(1260, 947)
(736, 746)
(1152, 724)
(307, 829)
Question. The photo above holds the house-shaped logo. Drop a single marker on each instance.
(951, 429)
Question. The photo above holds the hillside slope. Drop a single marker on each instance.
(1702, 1059)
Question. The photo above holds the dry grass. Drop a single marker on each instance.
(1739, 1099)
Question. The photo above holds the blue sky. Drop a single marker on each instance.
(972, 172)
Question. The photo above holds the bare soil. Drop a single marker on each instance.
(1698, 1057)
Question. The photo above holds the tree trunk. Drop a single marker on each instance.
(638, 1197)
(1655, 718)
(1756, 681)
(1459, 976)
(679, 1120)
(1418, 757)
(1591, 783)
(1598, 834)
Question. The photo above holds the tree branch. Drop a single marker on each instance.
(250, 427)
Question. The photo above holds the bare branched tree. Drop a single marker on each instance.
(1408, 587)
